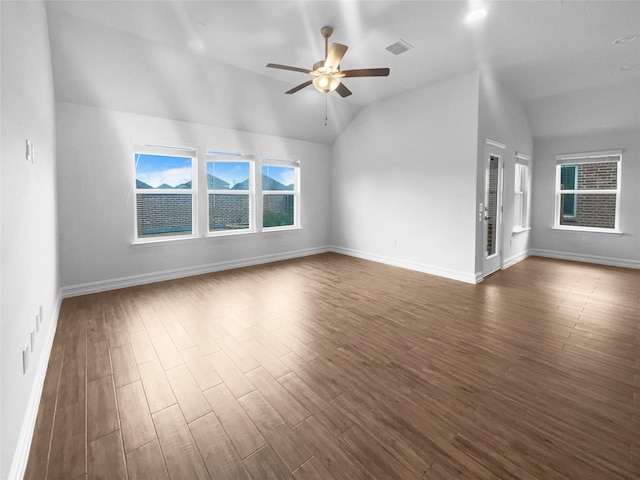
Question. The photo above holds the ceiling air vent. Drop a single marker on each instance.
(399, 47)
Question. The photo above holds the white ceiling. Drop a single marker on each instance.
(535, 49)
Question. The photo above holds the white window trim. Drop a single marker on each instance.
(604, 156)
(183, 151)
(523, 160)
(279, 161)
(218, 156)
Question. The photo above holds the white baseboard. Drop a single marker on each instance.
(21, 455)
(429, 269)
(161, 276)
(578, 257)
(511, 261)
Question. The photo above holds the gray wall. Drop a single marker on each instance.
(602, 247)
(95, 164)
(29, 236)
(404, 180)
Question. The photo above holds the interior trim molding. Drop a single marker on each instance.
(493, 143)
(21, 455)
(511, 261)
(578, 257)
(161, 276)
(418, 267)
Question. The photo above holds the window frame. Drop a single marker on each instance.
(213, 156)
(522, 168)
(277, 161)
(167, 151)
(608, 156)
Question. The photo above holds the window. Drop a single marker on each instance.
(230, 191)
(165, 200)
(280, 193)
(521, 198)
(588, 191)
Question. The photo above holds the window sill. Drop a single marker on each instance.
(155, 241)
(587, 230)
(520, 230)
(229, 233)
(279, 229)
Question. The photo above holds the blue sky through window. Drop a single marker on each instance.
(157, 170)
(231, 172)
(284, 175)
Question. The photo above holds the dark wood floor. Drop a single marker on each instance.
(333, 367)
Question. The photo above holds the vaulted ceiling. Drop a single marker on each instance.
(206, 61)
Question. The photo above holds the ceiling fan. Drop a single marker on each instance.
(327, 73)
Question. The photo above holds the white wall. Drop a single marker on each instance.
(405, 170)
(28, 242)
(96, 200)
(623, 250)
(503, 119)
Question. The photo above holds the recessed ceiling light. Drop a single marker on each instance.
(476, 15)
(625, 39)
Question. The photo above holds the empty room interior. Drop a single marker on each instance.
(320, 239)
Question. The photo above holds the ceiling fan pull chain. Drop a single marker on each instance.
(325, 109)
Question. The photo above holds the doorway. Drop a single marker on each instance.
(492, 219)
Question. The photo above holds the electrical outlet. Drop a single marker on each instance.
(25, 359)
(586, 240)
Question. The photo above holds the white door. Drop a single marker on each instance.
(492, 209)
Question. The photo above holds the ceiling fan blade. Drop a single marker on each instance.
(287, 67)
(335, 54)
(343, 90)
(367, 72)
(300, 87)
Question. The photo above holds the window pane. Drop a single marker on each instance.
(568, 177)
(163, 215)
(162, 172)
(591, 210)
(517, 211)
(568, 202)
(228, 176)
(278, 210)
(597, 176)
(228, 212)
(278, 178)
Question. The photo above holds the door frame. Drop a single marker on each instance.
(493, 263)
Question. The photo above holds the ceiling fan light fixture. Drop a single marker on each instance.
(326, 83)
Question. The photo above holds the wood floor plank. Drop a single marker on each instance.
(125, 369)
(190, 398)
(99, 362)
(142, 347)
(237, 354)
(265, 464)
(282, 439)
(241, 431)
(135, 419)
(167, 353)
(180, 452)
(156, 386)
(270, 362)
(147, 463)
(105, 457)
(278, 397)
(201, 369)
(68, 447)
(218, 453)
(233, 378)
(102, 413)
